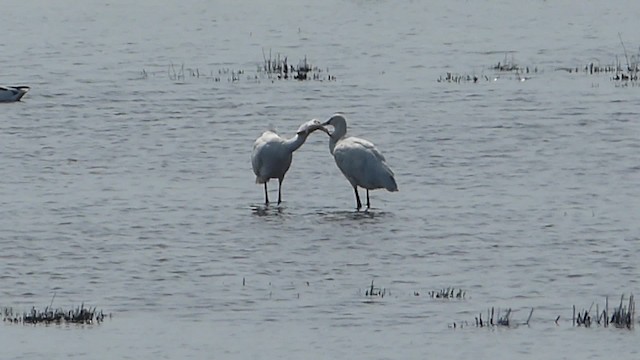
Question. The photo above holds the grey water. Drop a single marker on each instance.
(131, 190)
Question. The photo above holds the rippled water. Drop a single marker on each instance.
(135, 193)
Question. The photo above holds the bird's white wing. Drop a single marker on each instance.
(353, 157)
(258, 154)
(368, 146)
(256, 158)
(362, 164)
(270, 158)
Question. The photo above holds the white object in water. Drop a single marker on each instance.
(272, 155)
(359, 160)
(12, 93)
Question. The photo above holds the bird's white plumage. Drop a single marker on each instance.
(363, 165)
(271, 158)
(359, 160)
(272, 154)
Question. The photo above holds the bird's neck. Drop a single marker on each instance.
(337, 135)
(295, 142)
(332, 143)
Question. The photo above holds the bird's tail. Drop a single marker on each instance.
(391, 184)
(388, 178)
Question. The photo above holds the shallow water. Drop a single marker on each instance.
(135, 194)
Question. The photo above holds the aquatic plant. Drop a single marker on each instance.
(500, 320)
(375, 291)
(627, 73)
(448, 293)
(280, 68)
(79, 315)
(272, 68)
(621, 317)
(494, 319)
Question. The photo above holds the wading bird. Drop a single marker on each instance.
(359, 160)
(12, 93)
(272, 155)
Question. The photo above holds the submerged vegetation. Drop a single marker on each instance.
(448, 293)
(79, 315)
(500, 320)
(494, 318)
(627, 72)
(621, 317)
(372, 291)
(279, 68)
(50, 315)
(506, 68)
(624, 73)
(271, 68)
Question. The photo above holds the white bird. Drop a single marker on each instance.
(12, 93)
(272, 155)
(359, 160)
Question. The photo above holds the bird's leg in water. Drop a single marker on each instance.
(368, 204)
(358, 203)
(266, 194)
(279, 191)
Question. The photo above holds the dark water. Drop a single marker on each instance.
(133, 191)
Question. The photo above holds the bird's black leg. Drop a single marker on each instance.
(280, 191)
(266, 195)
(358, 203)
(368, 204)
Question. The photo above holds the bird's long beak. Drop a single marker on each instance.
(324, 128)
(321, 128)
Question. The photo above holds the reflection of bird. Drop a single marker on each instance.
(359, 160)
(12, 93)
(271, 156)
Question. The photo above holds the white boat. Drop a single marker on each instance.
(12, 93)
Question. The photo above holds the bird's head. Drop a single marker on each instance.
(339, 124)
(311, 126)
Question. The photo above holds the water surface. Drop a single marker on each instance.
(134, 192)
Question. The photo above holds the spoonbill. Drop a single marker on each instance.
(272, 155)
(12, 93)
(359, 160)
